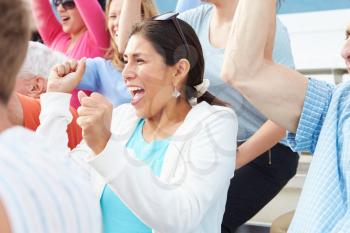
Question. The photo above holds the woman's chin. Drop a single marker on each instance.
(66, 28)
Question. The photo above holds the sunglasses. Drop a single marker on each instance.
(66, 4)
(173, 17)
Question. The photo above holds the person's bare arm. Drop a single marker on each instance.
(4, 221)
(266, 137)
(277, 91)
(130, 14)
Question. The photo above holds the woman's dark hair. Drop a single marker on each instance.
(167, 41)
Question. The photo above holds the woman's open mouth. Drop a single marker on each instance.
(137, 93)
(65, 19)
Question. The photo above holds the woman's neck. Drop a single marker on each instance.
(75, 37)
(224, 11)
(221, 21)
(165, 123)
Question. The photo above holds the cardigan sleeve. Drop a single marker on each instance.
(94, 19)
(46, 21)
(207, 166)
(54, 117)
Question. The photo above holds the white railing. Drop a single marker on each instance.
(337, 73)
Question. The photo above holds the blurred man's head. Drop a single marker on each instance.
(346, 49)
(14, 34)
(32, 77)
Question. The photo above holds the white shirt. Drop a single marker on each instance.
(190, 194)
(43, 191)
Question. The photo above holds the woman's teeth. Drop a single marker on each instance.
(135, 88)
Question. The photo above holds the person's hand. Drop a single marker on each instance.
(65, 77)
(95, 116)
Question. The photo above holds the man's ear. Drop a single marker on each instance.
(38, 86)
(182, 68)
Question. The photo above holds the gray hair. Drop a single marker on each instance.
(39, 60)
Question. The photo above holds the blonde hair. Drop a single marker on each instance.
(148, 10)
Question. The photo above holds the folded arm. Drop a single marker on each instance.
(277, 91)
(266, 137)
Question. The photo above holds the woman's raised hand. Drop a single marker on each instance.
(95, 116)
(65, 77)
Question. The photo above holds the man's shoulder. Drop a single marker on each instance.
(341, 98)
(34, 172)
(343, 89)
(14, 136)
(22, 143)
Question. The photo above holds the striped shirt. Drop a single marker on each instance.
(42, 191)
(324, 130)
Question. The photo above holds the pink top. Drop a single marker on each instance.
(93, 43)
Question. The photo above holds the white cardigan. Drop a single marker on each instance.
(189, 195)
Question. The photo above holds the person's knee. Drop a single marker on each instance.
(281, 224)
